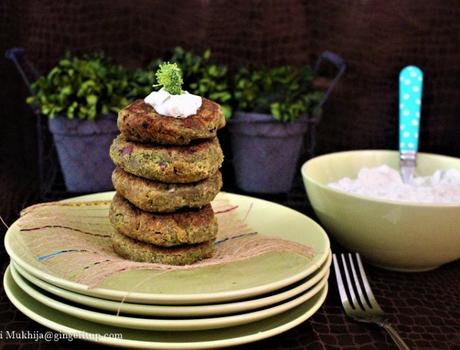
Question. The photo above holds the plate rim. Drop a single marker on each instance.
(152, 324)
(149, 298)
(179, 310)
(138, 344)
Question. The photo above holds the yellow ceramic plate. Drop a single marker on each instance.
(210, 284)
(181, 310)
(162, 324)
(139, 339)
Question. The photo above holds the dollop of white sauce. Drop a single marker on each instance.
(386, 183)
(177, 106)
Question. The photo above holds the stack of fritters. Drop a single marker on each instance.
(167, 174)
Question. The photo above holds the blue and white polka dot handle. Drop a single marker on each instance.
(410, 106)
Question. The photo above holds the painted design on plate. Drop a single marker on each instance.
(72, 239)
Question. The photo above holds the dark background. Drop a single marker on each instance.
(376, 38)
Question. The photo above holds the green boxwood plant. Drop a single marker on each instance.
(285, 92)
(82, 87)
(92, 85)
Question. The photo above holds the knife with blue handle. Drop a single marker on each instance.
(410, 107)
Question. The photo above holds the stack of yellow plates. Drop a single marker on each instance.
(206, 307)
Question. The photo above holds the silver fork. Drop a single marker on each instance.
(360, 303)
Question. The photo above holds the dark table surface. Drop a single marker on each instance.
(424, 308)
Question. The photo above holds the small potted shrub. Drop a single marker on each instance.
(273, 107)
(81, 97)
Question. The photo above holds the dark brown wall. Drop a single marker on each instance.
(376, 38)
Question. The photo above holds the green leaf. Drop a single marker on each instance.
(65, 62)
(66, 90)
(114, 109)
(91, 99)
(227, 110)
(275, 110)
(212, 71)
(220, 96)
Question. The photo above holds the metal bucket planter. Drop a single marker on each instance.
(265, 152)
(83, 151)
(82, 146)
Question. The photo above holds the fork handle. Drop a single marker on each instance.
(394, 335)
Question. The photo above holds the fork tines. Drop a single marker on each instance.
(355, 293)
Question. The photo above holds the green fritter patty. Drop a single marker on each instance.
(160, 197)
(171, 164)
(183, 227)
(139, 122)
(132, 249)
